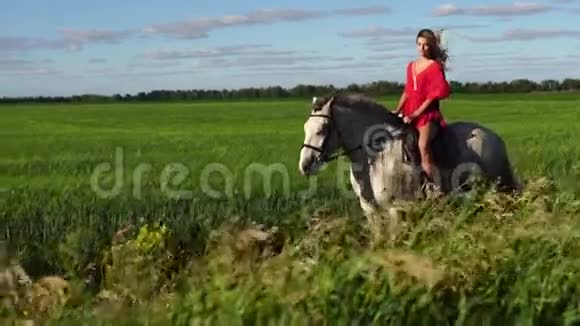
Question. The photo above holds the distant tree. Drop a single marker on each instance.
(522, 85)
(353, 88)
(376, 88)
(571, 84)
(550, 85)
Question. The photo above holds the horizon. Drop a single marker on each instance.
(288, 89)
(67, 48)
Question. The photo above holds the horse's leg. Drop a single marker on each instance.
(361, 186)
(493, 159)
(393, 179)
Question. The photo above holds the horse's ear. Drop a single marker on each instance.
(328, 104)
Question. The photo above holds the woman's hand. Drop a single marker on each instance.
(407, 119)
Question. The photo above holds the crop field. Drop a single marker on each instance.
(195, 213)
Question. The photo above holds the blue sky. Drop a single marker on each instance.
(76, 47)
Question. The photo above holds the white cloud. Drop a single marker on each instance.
(200, 27)
(483, 54)
(12, 62)
(354, 65)
(75, 39)
(516, 8)
(99, 71)
(236, 56)
(446, 10)
(72, 39)
(97, 60)
(388, 39)
(154, 65)
(152, 73)
(379, 31)
(509, 65)
(341, 59)
(390, 45)
(17, 66)
(15, 44)
(80, 37)
(32, 72)
(388, 32)
(520, 34)
(272, 62)
(388, 56)
(373, 10)
(221, 51)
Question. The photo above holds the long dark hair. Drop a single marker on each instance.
(436, 51)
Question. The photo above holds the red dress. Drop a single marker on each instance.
(427, 84)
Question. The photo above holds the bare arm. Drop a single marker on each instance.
(422, 108)
(401, 103)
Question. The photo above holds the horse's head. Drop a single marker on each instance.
(320, 137)
(365, 126)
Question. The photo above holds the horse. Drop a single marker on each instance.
(384, 157)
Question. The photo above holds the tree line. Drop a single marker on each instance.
(375, 89)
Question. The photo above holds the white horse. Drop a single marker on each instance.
(385, 162)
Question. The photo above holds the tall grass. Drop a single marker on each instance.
(281, 256)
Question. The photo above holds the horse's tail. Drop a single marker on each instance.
(508, 180)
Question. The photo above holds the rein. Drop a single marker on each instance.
(322, 158)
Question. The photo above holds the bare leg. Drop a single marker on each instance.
(426, 135)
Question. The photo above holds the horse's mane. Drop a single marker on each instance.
(360, 102)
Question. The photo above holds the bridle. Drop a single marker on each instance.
(322, 157)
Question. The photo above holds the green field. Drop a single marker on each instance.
(488, 257)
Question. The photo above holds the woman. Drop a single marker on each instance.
(425, 85)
